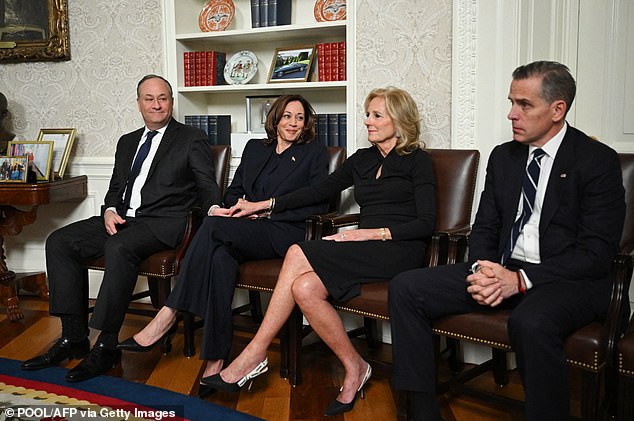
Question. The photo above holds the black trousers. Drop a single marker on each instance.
(209, 272)
(539, 323)
(68, 247)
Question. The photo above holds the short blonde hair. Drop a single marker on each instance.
(403, 111)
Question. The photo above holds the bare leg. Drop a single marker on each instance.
(157, 327)
(280, 308)
(310, 294)
(213, 367)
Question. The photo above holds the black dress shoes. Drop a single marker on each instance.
(61, 350)
(98, 362)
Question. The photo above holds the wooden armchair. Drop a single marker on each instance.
(258, 276)
(455, 172)
(625, 407)
(161, 267)
(590, 349)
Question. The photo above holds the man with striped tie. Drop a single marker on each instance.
(547, 229)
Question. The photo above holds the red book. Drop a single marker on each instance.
(320, 62)
(198, 71)
(342, 60)
(210, 68)
(187, 69)
(327, 61)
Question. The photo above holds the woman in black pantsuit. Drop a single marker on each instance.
(395, 187)
(287, 160)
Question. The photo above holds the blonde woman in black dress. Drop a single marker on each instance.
(394, 186)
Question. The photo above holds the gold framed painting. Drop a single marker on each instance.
(34, 30)
(291, 64)
(38, 156)
(63, 144)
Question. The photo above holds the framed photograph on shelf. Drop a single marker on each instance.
(63, 143)
(292, 64)
(38, 155)
(13, 169)
(257, 109)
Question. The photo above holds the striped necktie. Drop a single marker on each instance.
(143, 152)
(529, 190)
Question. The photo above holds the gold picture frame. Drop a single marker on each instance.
(39, 155)
(13, 169)
(34, 30)
(291, 64)
(63, 139)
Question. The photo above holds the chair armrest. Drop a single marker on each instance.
(194, 220)
(617, 318)
(327, 224)
(458, 245)
(437, 249)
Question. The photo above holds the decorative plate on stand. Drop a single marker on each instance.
(241, 68)
(328, 10)
(216, 15)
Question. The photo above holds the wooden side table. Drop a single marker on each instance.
(13, 197)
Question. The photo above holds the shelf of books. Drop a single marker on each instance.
(264, 30)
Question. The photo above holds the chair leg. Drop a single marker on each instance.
(371, 328)
(189, 347)
(159, 288)
(590, 388)
(625, 407)
(500, 368)
(455, 362)
(403, 406)
(256, 306)
(294, 346)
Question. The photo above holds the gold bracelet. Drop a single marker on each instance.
(383, 234)
(271, 203)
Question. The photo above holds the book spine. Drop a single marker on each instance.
(205, 61)
(334, 61)
(198, 71)
(322, 128)
(343, 130)
(279, 12)
(342, 60)
(264, 13)
(189, 120)
(186, 69)
(333, 130)
(321, 75)
(255, 13)
(212, 133)
(223, 130)
(327, 61)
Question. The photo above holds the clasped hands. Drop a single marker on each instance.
(492, 283)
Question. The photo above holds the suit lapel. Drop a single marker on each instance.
(559, 174)
(132, 146)
(169, 137)
(514, 178)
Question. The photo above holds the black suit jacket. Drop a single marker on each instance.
(180, 178)
(301, 165)
(582, 215)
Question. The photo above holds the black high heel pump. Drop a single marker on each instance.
(336, 407)
(216, 381)
(166, 344)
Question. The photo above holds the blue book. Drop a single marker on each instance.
(322, 128)
(333, 129)
(255, 13)
(279, 12)
(343, 130)
(264, 13)
(219, 129)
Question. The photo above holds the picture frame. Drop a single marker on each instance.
(292, 64)
(13, 169)
(63, 139)
(258, 107)
(39, 156)
(34, 30)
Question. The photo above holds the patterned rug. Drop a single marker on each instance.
(45, 395)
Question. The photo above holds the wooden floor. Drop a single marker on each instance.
(271, 397)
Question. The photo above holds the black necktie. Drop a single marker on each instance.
(136, 167)
(529, 190)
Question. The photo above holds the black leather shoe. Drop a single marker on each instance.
(61, 350)
(131, 344)
(98, 362)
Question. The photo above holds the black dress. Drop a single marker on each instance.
(401, 199)
(211, 265)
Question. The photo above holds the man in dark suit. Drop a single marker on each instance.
(547, 228)
(161, 171)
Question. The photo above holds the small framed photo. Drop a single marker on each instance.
(292, 64)
(258, 108)
(63, 144)
(13, 169)
(38, 155)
